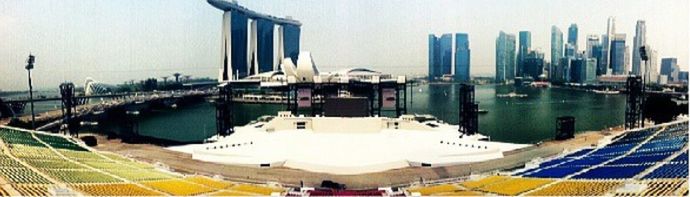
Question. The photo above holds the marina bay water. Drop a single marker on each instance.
(509, 119)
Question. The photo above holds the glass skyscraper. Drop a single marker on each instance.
(440, 55)
(239, 44)
(505, 57)
(462, 57)
(524, 48)
(572, 38)
(638, 41)
(534, 64)
(599, 54)
(669, 67)
(265, 45)
(556, 49)
(618, 53)
(291, 35)
(446, 53)
(434, 58)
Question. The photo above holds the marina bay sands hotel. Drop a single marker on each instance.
(254, 43)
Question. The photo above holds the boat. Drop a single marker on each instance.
(540, 84)
(511, 95)
(606, 91)
(482, 111)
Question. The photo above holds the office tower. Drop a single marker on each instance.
(524, 48)
(534, 65)
(562, 73)
(653, 65)
(606, 41)
(683, 76)
(505, 58)
(440, 55)
(570, 50)
(434, 58)
(618, 52)
(462, 57)
(446, 49)
(599, 54)
(639, 40)
(592, 41)
(583, 70)
(556, 49)
(572, 36)
(669, 67)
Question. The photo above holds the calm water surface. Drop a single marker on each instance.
(522, 120)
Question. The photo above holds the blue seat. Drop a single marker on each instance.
(612, 172)
(671, 170)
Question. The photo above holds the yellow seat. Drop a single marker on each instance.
(120, 189)
(577, 188)
(515, 186)
(483, 182)
(178, 187)
(218, 184)
(435, 189)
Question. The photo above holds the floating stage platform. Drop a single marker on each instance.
(347, 146)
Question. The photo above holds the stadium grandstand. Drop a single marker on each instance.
(644, 162)
(652, 161)
(34, 163)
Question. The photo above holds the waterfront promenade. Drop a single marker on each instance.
(51, 118)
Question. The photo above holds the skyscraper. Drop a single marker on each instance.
(610, 31)
(669, 67)
(618, 52)
(291, 35)
(462, 57)
(592, 41)
(446, 53)
(599, 54)
(524, 48)
(653, 66)
(505, 57)
(583, 70)
(639, 40)
(556, 49)
(534, 64)
(572, 36)
(440, 55)
(434, 58)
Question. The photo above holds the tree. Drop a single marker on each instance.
(177, 77)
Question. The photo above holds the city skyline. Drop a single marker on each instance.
(137, 40)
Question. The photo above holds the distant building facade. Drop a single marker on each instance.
(670, 68)
(556, 50)
(524, 48)
(639, 40)
(505, 57)
(440, 55)
(462, 57)
(534, 65)
(618, 54)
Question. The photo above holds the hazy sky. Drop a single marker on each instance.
(118, 40)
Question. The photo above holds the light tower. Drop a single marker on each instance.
(29, 66)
